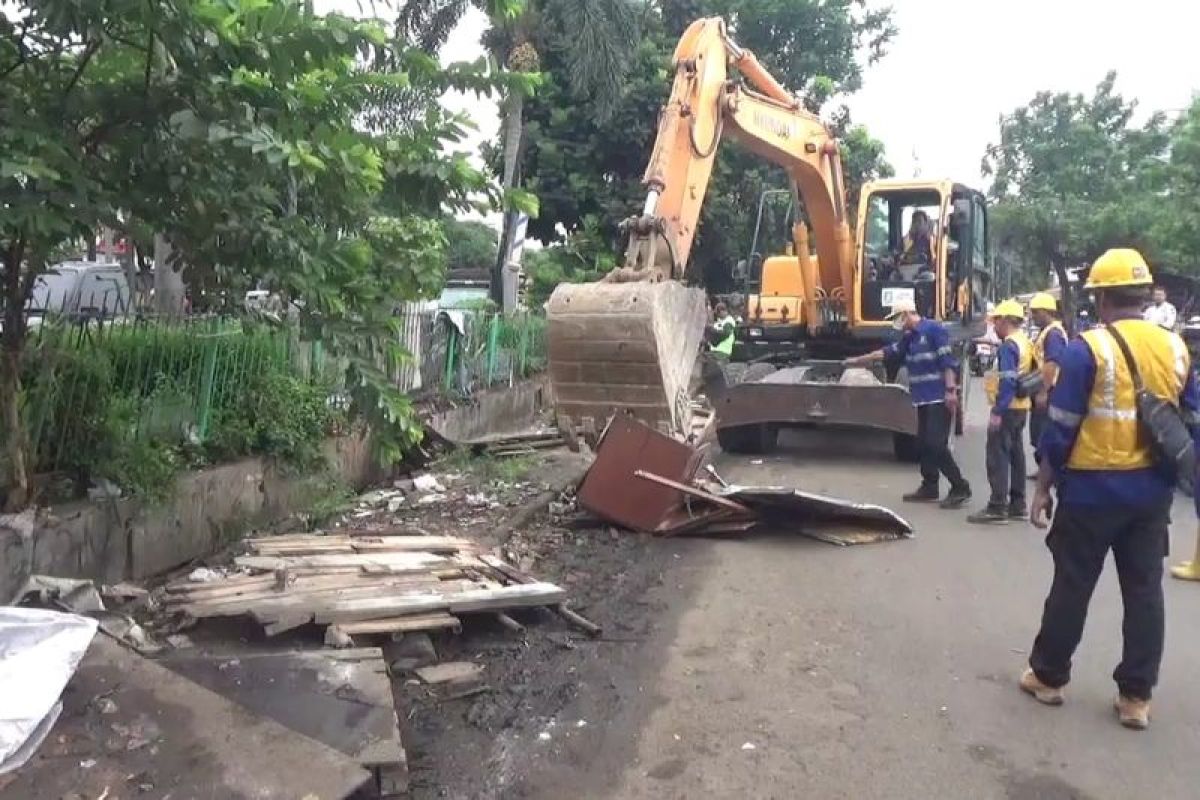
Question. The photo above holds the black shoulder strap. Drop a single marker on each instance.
(1129, 362)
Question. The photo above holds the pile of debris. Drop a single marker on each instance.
(648, 481)
(362, 583)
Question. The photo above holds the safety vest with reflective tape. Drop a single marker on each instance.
(1039, 346)
(1110, 437)
(728, 327)
(1024, 365)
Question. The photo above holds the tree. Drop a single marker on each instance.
(469, 244)
(587, 170)
(592, 40)
(1176, 225)
(1073, 176)
(227, 128)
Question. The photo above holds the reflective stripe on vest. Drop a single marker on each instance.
(991, 383)
(1110, 437)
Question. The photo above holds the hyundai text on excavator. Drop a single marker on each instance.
(628, 343)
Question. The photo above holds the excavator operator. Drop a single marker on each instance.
(918, 243)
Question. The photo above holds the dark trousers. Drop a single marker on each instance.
(1079, 539)
(1037, 424)
(933, 441)
(1006, 461)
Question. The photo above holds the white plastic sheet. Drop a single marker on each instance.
(39, 652)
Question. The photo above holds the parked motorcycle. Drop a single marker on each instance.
(982, 358)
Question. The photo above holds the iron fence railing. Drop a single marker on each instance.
(461, 352)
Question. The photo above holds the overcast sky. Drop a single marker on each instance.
(956, 65)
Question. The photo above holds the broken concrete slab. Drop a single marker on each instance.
(341, 698)
(168, 733)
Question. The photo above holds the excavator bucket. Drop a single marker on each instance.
(624, 347)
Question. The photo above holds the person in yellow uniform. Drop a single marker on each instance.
(1006, 424)
(1112, 495)
(1047, 350)
(724, 333)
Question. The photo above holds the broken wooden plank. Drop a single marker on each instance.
(472, 600)
(450, 672)
(508, 622)
(562, 609)
(414, 562)
(412, 622)
(694, 491)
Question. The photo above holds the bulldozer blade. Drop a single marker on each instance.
(625, 348)
(790, 396)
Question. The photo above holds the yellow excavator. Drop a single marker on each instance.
(628, 343)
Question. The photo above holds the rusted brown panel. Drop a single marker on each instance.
(885, 407)
(610, 490)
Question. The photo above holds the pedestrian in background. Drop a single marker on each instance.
(1160, 312)
(1047, 350)
(724, 332)
(924, 346)
(1006, 422)
(1112, 495)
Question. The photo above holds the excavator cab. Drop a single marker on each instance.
(947, 280)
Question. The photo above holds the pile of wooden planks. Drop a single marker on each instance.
(364, 582)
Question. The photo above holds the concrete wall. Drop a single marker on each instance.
(507, 409)
(114, 540)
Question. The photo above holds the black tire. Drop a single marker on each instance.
(904, 445)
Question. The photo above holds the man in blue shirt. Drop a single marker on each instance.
(1112, 493)
(925, 349)
(1006, 423)
(1047, 352)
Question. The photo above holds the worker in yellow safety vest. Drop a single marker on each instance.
(1047, 350)
(724, 333)
(1112, 493)
(1006, 423)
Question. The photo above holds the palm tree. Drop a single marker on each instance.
(596, 37)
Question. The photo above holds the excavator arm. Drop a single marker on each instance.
(704, 105)
(628, 344)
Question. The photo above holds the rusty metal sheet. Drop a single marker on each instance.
(610, 489)
(818, 516)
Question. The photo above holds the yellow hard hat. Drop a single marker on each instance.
(1043, 302)
(1009, 308)
(1120, 266)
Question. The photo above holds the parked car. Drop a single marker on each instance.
(80, 290)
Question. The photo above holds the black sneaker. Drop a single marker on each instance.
(957, 498)
(1016, 511)
(989, 516)
(925, 494)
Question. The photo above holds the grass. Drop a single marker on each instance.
(486, 468)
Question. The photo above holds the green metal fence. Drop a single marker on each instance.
(464, 352)
(165, 379)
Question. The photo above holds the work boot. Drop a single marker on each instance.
(924, 494)
(957, 498)
(1133, 713)
(1017, 511)
(1186, 571)
(990, 515)
(1032, 685)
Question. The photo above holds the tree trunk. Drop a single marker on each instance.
(168, 282)
(513, 127)
(17, 496)
(1066, 304)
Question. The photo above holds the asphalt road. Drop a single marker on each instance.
(796, 669)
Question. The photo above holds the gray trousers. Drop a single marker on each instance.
(1006, 461)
